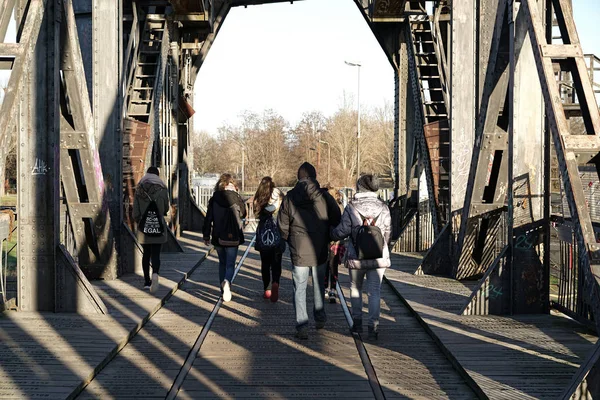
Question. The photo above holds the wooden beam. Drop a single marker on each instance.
(11, 50)
(192, 17)
(556, 51)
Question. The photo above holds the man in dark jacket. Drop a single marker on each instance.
(305, 217)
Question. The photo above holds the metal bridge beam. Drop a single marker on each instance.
(38, 155)
(107, 103)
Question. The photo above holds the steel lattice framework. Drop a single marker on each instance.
(497, 114)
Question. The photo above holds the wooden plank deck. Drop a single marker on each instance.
(46, 355)
(251, 352)
(147, 366)
(518, 357)
(408, 363)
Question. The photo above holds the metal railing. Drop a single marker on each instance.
(567, 292)
(485, 238)
(202, 195)
(593, 64)
(7, 229)
(417, 234)
(565, 81)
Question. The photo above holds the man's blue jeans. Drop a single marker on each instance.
(300, 280)
(227, 256)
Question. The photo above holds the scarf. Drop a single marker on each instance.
(152, 179)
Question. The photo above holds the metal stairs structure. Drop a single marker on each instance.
(431, 89)
(144, 86)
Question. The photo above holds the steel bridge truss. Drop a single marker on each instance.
(511, 162)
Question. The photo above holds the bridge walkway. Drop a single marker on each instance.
(249, 350)
(509, 357)
(48, 355)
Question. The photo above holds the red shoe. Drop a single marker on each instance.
(275, 289)
(267, 294)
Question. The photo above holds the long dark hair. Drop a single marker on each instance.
(224, 180)
(263, 193)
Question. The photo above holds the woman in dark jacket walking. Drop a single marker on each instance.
(224, 223)
(266, 205)
(151, 188)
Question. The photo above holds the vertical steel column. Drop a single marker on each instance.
(549, 16)
(462, 95)
(512, 101)
(399, 183)
(38, 160)
(107, 105)
(403, 134)
(529, 283)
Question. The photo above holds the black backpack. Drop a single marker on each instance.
(368, 241)
(151, 223)
(229, 236)
(267, 234)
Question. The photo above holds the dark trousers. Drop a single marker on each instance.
(151, 251)
(270, 262)
(331, 273)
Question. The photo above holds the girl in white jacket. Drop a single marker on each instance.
(365, 209)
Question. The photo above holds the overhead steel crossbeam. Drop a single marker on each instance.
(487, 184)
(571, 150)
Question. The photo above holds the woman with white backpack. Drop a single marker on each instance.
(367, 221)
(267, 201)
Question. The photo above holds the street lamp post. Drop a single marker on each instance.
(358, 65)
(243, 177)
(328, 160)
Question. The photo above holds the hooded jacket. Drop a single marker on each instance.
(151, 187)
(218, 206)
(367, 204)
(305, 217)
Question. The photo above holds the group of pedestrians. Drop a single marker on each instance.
(314, 222)
(321, 229)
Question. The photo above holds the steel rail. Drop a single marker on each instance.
(362, 351)
(193, 354)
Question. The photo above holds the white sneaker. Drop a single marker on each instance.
(154, 285)
(226, 291)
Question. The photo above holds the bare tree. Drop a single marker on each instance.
(206, 152)
(270, 147)
(380, 143)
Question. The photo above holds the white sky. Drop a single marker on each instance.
(290, 57)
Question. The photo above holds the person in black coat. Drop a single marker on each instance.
(306, 215)
(226, 203)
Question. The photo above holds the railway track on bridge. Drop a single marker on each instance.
(222, 350)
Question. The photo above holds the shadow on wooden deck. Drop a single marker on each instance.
(524, 356)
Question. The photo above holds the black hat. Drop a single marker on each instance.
(306, 170)
(367, 183)
(152, 170)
